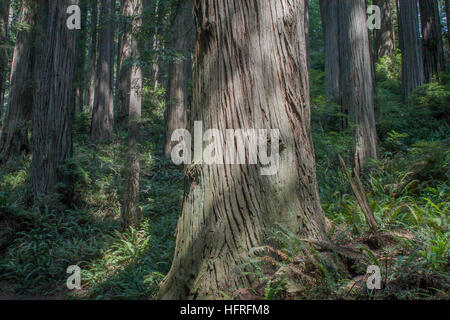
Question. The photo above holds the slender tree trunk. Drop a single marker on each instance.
(53, 104)
(131, 211)
(432, 46)
(123, 60)
(356, 76)
(14, 137)
(155, 47)
(147, 49)
(4, 10)
(384, 37)
(80, 71)
(120, 31)
(330, 26)
(103, 117)
(250, 73)
(90, 93)
(412, 63)
(180, 71)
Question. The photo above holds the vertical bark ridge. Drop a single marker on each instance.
(432, 46)
(412, 63)
(250, 73)
(53, 103)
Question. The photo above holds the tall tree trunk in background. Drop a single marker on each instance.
(116, 55)
(80, 71)
(356, 76)
(307, 34)
(432, 49)
(53, 104)
(330, 26)
(102, 115)
(384, 38)
(447, 15)
(90, 93)
(4, 10)
(123, 61)
(120, 31)
(412, 63)
(239, 83)
(14, 137)
(148, 15)
(131, 212)
(154, 47)
(180, 71)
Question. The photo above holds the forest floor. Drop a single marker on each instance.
(9, 291)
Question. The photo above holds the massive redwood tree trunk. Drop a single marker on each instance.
(432, 46)
(180, 71)
(52, 112)
(103, 109)
(412, 63)
(356, 76)
(250, 73)
(132, 75)
(383, 38)
(14, 137)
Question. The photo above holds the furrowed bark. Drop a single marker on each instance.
(412, 63)
(432, 46)
(53, 103)
(250, 73)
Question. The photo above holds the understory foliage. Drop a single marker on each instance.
(407, 188)
(37, 245)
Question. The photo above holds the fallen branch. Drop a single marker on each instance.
(348, 252)
(361, 197)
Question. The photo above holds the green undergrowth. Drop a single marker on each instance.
(38, 244)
